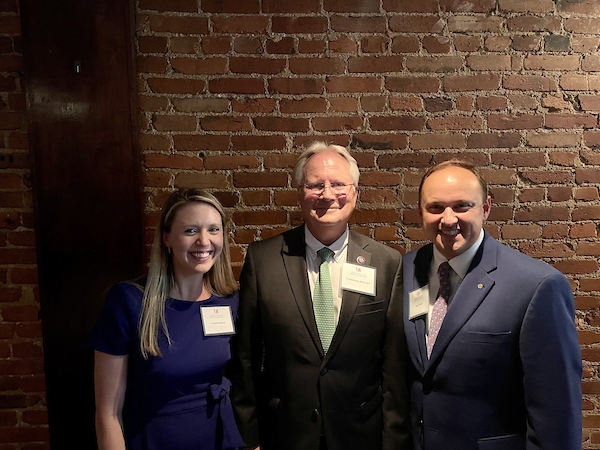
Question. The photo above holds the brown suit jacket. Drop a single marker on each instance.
(286, 392)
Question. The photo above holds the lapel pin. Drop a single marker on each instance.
(479, 286)
(361, 260)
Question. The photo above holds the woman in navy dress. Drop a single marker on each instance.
(162, 342)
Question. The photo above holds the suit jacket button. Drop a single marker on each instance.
(315, 415)
(323, 370)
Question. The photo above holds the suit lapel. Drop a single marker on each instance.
(294, 260)
(416, 327)
(471, 292)
(356, 248)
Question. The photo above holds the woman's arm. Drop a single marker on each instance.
(110, 380)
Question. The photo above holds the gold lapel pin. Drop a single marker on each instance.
(479, 286)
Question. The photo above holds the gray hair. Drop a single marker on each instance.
(319, 147)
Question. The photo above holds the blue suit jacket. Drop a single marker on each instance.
(505, 371)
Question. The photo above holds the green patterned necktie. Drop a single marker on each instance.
(323, 300)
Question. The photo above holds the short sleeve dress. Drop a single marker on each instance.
(180, 400)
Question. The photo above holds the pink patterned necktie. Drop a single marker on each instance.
(440, 307)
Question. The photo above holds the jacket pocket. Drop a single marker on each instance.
(508, 442)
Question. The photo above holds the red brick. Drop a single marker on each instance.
(545, 249)
(190, 66)
(183, 24)
(170, 5)
(380, 142)
(361, 24)
(336, 123)
(582, 25)
(202, 180)
(243, 218)
(529, 159)
(296, 86)
(353, 84)
(343, 104)
(225, 123)
(496, 44)
(563, 158)
(260, 179)
(23, 276)
(531, 195)
(386, 196)
(307, 105)
(491, 103)
(526, 43)
(287, 124)
(486, 82)
(153, 142)
(416, 24)
(518, 231)
(379, 179)
(467, 43)
(311, 45)
(434, 64)
(404, 160)
(551, 62)
(256, 65)
(378, 64)
(316, 65)
(215, 45)
(176, 85)
(522, 122)
(374, 44)
(587, 175)
(174, 123)
(542, 213)
(410, 6)
(534, 6)
(247, 45)
(493, 140)
(246, 24)
(286, 198)
(583, 213)
(543, 177)
(223, 162)
(387, 123)
(478, 24)
(362, 216)
(591, 139)
(401, 104)
(455, 123)
(201, 142)
(436, 141)
(586, 194)
(436, 44)
(283, 6)
(256, 198)
(236, 86)
(576, 267)
(152, 44)
(570, 120)
(405, 44)
(231, 6)
(527, 23)
(552, 139)
(529, 83)
(301, 24)
(283, 46)
(412, 84)
(489, 62)
(254, 105)
(249, 143)
(343, 45)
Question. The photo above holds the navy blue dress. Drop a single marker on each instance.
(180, 400)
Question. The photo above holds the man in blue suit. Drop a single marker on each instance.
(494, 358)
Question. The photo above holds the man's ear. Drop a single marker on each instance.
(487, 206)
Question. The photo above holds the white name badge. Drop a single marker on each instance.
(359, 279)
(217, 320)
(418, 302)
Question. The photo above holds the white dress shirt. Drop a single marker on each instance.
(340, 250)
(459, 264)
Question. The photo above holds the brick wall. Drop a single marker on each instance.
(23, 416)
(231, 89)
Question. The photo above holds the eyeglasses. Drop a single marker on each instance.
(338, 188)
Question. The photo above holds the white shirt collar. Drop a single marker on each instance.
(460, 264)
(313, 245)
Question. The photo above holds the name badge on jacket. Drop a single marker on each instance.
(418, 302)
(359, 279)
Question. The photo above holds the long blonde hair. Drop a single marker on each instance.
(219, 280)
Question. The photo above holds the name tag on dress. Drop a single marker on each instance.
(418, 302)
(359, 279)
(217, 320)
